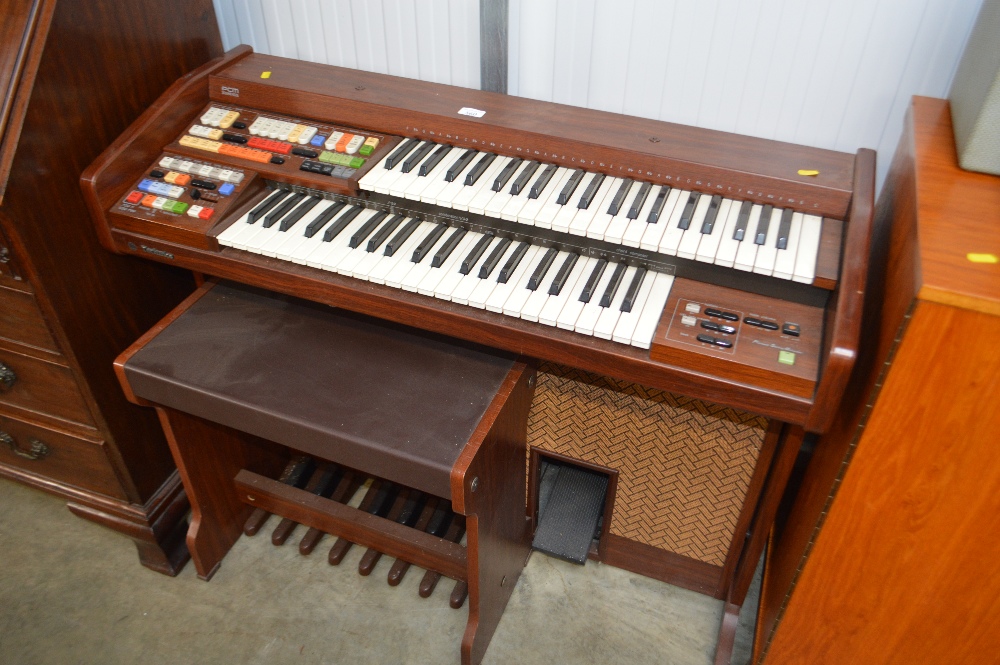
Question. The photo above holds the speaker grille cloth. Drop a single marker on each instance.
(683, 465)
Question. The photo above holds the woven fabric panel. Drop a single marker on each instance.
(683, 465)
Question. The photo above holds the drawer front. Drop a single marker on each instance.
(41, 386)
(21, 320)
(53, 455)
(9, 272)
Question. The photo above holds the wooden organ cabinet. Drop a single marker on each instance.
(74, 74)
(691, 299)
(889, 551)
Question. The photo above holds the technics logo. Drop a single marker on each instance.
(232, 92)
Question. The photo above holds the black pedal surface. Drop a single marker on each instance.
(570, 507)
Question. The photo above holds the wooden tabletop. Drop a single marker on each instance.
(959, 217)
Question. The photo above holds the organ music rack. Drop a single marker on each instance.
(394, 109)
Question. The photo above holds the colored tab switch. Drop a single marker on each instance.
(226, 189)
(206, 213)
(342, 143)
(134, 197)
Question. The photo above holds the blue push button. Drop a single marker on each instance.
(226, 189)
(317, 140)
(145, 185)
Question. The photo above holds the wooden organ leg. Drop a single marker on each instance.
(208, 457)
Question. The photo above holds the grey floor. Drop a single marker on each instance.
(72, 592)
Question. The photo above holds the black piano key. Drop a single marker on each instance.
(264, 206)
(282, 209)
(473, 256)
(402, 151)
(416, 157)
(639, 200)
(564, 270)
(428, 242)
(479, 169)
(447, 248)
(760, 235)
(633, 290)
(616, 203)
(494, 258)
(506, 174)
(784, 228)
(661, 198)
(366, 229)
(711, 215)
(740, 231)
(521, 182)
(616, 280)
(692, 203)
(456, 169)
(595, 277)
(322, 218)
(512, 263)
(543, 267)
(341, 223)
(591, 191)
(401, 236)
(541, 181)
(570, 187)
(384, 232)
(431, 162)
(293, 217)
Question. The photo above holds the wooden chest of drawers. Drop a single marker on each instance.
(67, 306)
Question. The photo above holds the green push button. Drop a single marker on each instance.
(786, 357)
(356, 163)
(327, 157)
(179, 207)
(366, 150)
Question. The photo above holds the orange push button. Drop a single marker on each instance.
(342, 143)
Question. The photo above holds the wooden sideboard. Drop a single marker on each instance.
(889, 550)
(75, 74)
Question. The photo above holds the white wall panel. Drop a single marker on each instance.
(431, 40)
(835, 74)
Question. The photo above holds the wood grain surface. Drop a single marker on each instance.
(959, 214)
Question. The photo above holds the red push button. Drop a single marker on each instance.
(206, 213)
(134, 197)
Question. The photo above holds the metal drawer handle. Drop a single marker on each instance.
(38, 448)
(7, 377)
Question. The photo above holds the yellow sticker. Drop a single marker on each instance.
(983, 258)
(265, 75)
(808, 172)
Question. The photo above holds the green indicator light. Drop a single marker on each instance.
(786, 357)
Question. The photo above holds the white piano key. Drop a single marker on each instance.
(513, 207)
(533, 306)
(784, 262)
(628, 321)
(339, 247)
(485, 193)
(403, 183)
(373, 259)
(500, 199)
(444, 192)
(592, 310)
(654, 232)
(553, 307)
(403, 258)
(380, 273)
(583, 218)
(551, 208)
(290, 246)
(688, 246)
(709, 244)
(485, 181)
(503, 292)
(725, 254)
(368, 181)
(652, 311)
(429, 284)
(301, 253)
(519, 295)
(805, 259)
(234, 229)
(420, 270)
(570, 296)
(606, 323)
(417, 188)
(485, 288)
(768, 252)
(615, 231)
(747, 252)
(567, 213)
(384, 184)
(347, 265)
(458, 287)
(671, 239)
(532, 208)
(637, 227)
(324, 248)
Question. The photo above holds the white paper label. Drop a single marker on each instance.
(475, 113)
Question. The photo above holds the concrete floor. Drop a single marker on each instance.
(72, 592)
